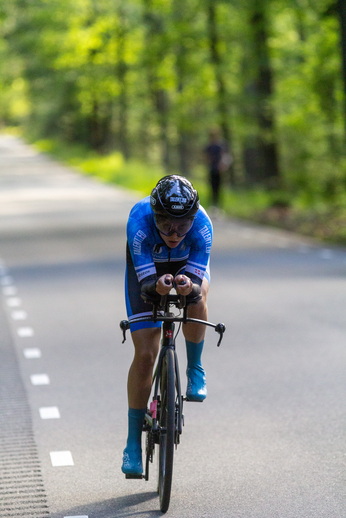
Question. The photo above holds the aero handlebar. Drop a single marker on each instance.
(166, 301)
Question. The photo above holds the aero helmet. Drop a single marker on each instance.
(175, 197)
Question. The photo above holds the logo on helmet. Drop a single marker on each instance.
(178, 207)
(178, 199)
(152, 200)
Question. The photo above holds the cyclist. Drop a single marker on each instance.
(169, 236)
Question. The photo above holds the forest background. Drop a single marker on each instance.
(129, 91)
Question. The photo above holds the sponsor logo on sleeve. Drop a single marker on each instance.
(143, 274)
(206, 234)
(137, 242)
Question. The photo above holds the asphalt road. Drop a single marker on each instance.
(268, 442)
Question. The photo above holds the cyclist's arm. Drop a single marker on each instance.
(186, 287)
(156, 288)
(153, 289)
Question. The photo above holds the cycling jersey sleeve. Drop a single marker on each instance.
(200, 242)
(139, 238)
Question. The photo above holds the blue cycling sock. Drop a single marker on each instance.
(135, 420)
(194, 353)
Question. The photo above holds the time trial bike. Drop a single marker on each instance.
(164, 418)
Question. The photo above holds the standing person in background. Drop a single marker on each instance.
(218, 159)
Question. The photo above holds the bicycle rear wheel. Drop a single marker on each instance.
(167, 424)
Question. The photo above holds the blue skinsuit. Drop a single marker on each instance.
(148, 257)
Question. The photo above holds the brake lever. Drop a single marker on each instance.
(220, 328)
(124, 326)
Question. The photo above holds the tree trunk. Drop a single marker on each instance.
(183, 138)
(122, 68)
(161, 103)
(342, 16)
(222, 102)
(154, 54)
(266, 166)
(180, 67)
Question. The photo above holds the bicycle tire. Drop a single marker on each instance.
(167, 424)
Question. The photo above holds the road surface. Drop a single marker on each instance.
(268, 442)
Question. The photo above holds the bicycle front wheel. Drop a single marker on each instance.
(167, 425)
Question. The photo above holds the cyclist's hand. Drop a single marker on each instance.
(164, 284)
(183, 285)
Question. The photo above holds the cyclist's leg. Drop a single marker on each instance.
(146, 338)
(194, 336)
(146, 342)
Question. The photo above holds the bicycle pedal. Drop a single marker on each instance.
(129, 475)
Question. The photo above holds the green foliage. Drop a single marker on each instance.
(111, 168)
(141, 83)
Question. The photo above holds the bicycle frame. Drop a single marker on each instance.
(167, 341)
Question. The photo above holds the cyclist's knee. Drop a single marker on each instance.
(146, 342)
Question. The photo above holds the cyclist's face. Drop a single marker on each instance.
(169, 226)
(172, 241)
(173, 230)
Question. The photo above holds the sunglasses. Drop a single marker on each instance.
(168, 226)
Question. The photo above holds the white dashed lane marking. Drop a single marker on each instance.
(19, 315)
(49, 412)
(61, 458)
(40, 379)
(32, 353)
(58, 458)
(25, 332)
(9, 291)
(14, 302)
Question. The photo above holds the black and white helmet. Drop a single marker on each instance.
(174, 196)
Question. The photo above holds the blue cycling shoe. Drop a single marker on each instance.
(196, 383)
(132, 462)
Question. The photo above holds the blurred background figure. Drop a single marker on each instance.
(219, 159)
